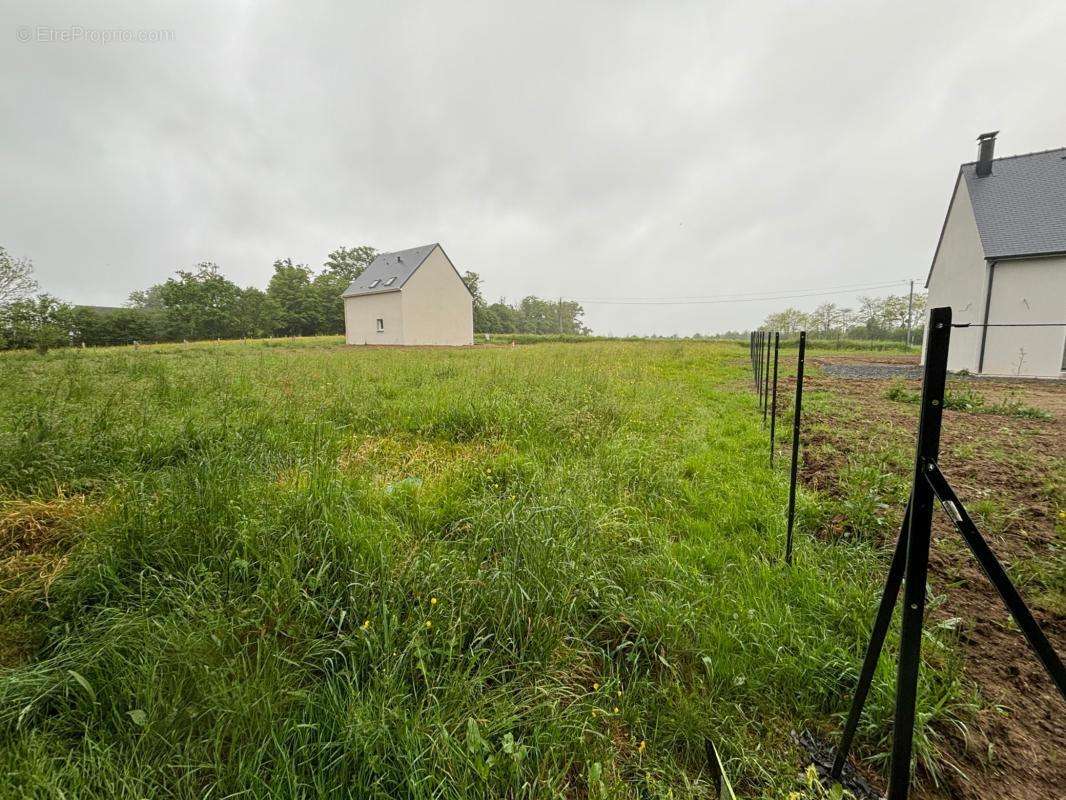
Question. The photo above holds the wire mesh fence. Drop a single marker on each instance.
(910, 561)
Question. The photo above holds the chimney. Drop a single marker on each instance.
(986, 146)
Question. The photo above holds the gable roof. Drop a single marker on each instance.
(1020, 208)
(400, 265)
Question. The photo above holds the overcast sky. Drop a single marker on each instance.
(590, 150)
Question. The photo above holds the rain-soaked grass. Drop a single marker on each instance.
(284, 569)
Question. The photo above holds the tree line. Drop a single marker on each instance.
(202, 303)
(875, 318)
(197, 303)
(530, 315)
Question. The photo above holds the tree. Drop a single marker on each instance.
(921, 300)
(537, 316)
(824, 316)
(473, 285)
(570, 314)
(326, 291)
(500, 318)
(201, 304)
(102, 327)
(532, 315)
(343, 266)
(42, 322)
(16, 278)
(129, 325)
(348, 263)
(88, 326)
(257, 313)
(845, 316)
(876, 318)
(791, 320)
(152, 297)
(290, 287)
(484, 320)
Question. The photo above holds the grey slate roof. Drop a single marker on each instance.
(1021, 207)
(400, 265)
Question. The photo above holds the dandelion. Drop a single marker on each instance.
(433, 601)
(643, 746)
(595, 687)
(366, 625)
(429, 624)
(616, 709)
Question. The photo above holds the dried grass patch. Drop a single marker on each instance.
(396, 457)
(35, 538)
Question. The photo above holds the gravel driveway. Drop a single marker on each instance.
(868, 371)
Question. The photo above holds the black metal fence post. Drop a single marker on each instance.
(758, 365)
(797, 412)
(762, 349)
(773, 400)
(754, 371)
(910, 563)
(750, 350)
(921, 516)
(766, 381)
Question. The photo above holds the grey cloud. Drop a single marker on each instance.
(586, 150)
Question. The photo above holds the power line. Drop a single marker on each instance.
(743, 297)
(769, 292)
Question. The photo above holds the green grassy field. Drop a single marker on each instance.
(284, 569)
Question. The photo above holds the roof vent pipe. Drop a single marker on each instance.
(986, 147)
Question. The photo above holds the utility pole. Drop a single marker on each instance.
(910, 314)
(559, 314)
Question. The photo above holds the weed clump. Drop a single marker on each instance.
(970, 401)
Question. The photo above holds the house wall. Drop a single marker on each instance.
(361, 314)
(437, 308)
(959, 279)
(1029, 290)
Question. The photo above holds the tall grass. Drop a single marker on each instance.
(299, 569)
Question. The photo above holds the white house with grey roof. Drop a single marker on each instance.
(410, 297)
(1001, 262)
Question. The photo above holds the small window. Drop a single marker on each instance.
(381, 325)
(390, 281)
(374, 283)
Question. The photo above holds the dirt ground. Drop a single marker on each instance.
(1009, 472)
